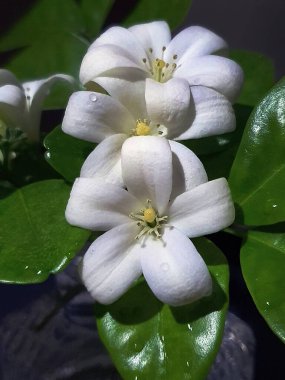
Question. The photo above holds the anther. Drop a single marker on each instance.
(175, 56)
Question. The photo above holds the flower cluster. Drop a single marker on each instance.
(149, 192)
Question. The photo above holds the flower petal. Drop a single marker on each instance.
(104, 162)
(110, 266)
(96, 205)
(213, 114)
(109, 60)
(6, 77)
(124, 39)
(174, 270)
(219, 73)
(153, 35)
(206, 209)
(192, 42)
(93, 117)
(129, 93)
(188, 170)
(169, 104)
(147, 169)
(13, 109)
(36, 92)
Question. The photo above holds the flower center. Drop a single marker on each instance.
(149, 221)
(160, 70)
(142, 128)
(145, 127)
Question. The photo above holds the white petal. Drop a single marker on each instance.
(6, 77)
(188, 170)
(110, 266)
(169, 104)
(206, 209)
(124, 39)
(147, 169)
(36, 92)
(192, 42)
(109, 60)
(93, 117)
(174, 270)
(13, 106)
(96, 205)
(129, 93)
(219, 73)
(213, 114)
(104, 162)
(153, 35)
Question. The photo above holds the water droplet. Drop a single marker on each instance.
(270, 206)
(93, 97)
(164, 267)
(162, 338)
(268, 303)
(188, 364)
(27, 267)
(189, 327)
(39, 272)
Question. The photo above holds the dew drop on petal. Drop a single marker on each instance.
(93, 97)
(164, 267)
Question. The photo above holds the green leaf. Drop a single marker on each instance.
(174, 12)
(94, 15)
(259, 75)
(219, 164)
(66, 154)
(35, 239)
(52, 37)
(142, 334)
(263, 263)
(257, 178)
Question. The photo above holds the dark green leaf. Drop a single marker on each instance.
(142, 334)
(257, 178)
(94, 14)
(52, 37)
(174, 12)
(263, 263)
(35, 239)
(66, 154)
(258, 75)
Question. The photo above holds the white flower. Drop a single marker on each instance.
(149, 225)
(121, 57)
(163, 110)
(21, 104)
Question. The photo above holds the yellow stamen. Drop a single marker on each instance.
(142, 129)
(160, 64)
(149, 215)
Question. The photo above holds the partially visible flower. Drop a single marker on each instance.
(21, 104)
(121, 58)
(162, 110)
(149, 225)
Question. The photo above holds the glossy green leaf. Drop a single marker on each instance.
(174, 12)
(259, 75)
(142, 334)
(66, 154)
(263, 263)
(35, 239)
(257, 178)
